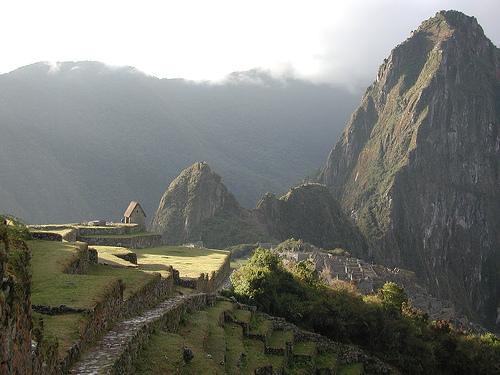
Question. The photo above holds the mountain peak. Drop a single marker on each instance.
(423, 146)
(451, 23)
(455, 19)
(197, 194)
(64, 69)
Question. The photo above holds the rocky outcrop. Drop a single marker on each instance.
(310, 212)
(198, 207)
(195, 195)
(418, 165)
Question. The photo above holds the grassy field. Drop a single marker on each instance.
(190, 262)
(65, 328)
(52, 287)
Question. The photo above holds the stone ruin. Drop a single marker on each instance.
(368, 278)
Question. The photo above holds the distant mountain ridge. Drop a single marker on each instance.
(418, 165)
(79, 140)
(197, 206)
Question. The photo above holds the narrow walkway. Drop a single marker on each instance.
(100, 358)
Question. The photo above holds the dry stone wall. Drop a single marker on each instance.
(82, 261)
(153, 292)
(121, 229)
(46, 236)
(133, 242)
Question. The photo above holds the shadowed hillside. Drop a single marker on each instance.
(79, 140)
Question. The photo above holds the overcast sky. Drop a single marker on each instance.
(340, 42)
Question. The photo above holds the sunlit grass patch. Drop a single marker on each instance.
(109, 255)
(190, 262)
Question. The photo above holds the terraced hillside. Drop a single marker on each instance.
(229, 338)
(79, 293)
(75, 299)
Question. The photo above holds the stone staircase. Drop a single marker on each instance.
(115, 352)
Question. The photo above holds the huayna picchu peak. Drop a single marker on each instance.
(198, 207)
(417, 166)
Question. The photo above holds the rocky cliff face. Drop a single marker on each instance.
(418, 165)
(197, 206)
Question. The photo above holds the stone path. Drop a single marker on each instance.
(101, 357)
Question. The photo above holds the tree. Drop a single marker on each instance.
(393, 296)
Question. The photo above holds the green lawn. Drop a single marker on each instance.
(326, 360)
(62, 232)
(190, 262)
(243, 316)
(255, 358)
(305, 348)
(133, 279)
(278, 339)
(161, 356)
(260, 326)
(52, 287)
(215, 343)
(234, 347)
(65, 328)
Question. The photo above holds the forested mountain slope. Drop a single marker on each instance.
(79, 140)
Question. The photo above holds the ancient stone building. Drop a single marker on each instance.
(134, 214)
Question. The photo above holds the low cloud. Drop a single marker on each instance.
(328, 41)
